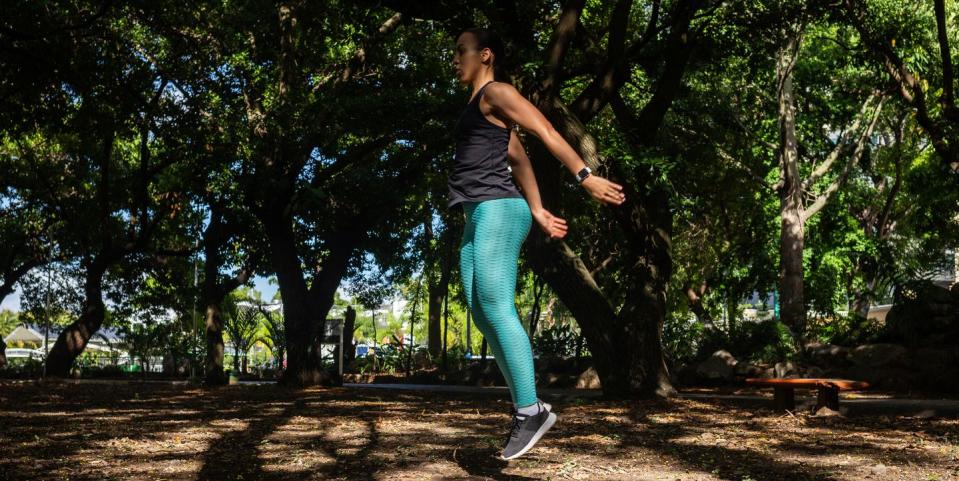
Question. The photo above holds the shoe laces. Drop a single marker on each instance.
(516, 425)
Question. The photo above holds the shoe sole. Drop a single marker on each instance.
(550, 420)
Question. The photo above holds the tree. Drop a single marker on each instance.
(275, 337)
(310, 158)
(881, 25)
(795, 209)
(116, 136)
(241, 321)
(611, 326)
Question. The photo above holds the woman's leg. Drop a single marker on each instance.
(466, 271)
(499, 228)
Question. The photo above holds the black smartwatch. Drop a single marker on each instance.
(583, 174)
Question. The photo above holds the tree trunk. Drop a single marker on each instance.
(305, 310)
(792, 236)
(298, 323)
(644, 311)
(437, 292)
(434, 327)
(214, 290)
(863, 298)
(694, 297)
(74, 338)
(214, 374)
(349, 326)
(792, 243)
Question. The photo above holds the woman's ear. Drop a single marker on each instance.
(486, 55)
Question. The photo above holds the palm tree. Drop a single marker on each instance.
(241, 321)
(275, 337)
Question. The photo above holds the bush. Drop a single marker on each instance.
(681, 339)
(22, 368)
(389, 359)
(456, 357)
(103, 371)
(557, 340)
(763, 341)
(771, 341)
(849, 330)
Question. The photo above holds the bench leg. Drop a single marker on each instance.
(784, 398)
(829, 397)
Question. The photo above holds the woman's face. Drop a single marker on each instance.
(467, 59)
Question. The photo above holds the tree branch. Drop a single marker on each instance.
(821, 200)
(948, 102)
(559, 43)
(614, 72)
(841, 145)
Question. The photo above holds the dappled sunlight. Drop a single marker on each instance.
(292, 447)
(133, 432)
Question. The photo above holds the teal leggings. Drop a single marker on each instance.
(495, 231)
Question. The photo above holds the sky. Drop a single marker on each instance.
(262, 284)
(12, 302)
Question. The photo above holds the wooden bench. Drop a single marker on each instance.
(785, 399)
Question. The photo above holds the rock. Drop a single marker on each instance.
(825, 411)
(813, 371)
(938, 379)
(719, 367)
(485, 375)
(880, 378)
(924, 313)
(785, 369)
(549, 379)
(745, 369)
(589, 379)
(931, 358)
(879, 355)
(553, 364)
(827, 355)
(879, 469)
(685, 375)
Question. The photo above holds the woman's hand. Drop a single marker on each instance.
(553, 226)
(604, 190)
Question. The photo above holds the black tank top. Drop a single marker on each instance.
(480, 169)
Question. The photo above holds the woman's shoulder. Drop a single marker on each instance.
(499, 91)
(496, 86)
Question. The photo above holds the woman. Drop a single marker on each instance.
(498, 217)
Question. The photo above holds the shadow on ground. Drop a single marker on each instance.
(157, 431)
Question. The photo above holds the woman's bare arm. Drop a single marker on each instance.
(523, 173)
(506, 101)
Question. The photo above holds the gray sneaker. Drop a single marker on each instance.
(526, 431)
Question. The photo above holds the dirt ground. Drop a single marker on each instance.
(162, 431)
